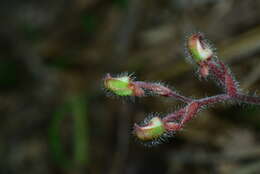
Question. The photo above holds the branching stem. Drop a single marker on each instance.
(209, 65)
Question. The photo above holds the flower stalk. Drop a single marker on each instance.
(158, 128)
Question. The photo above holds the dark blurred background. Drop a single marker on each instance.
(55, 118)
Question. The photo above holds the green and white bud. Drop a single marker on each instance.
(199, 49)
(120, 86)
(154, 129)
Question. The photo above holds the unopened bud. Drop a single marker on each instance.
(199, 49)
(123, 86)
(119, 85)
(154, 129)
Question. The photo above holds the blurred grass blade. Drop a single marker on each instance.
(79, 112)
(55, 138)
(75, 107)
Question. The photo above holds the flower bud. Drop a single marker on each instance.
(199, 49)
(154, 129)
(121, 86)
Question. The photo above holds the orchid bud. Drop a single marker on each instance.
(198, 47)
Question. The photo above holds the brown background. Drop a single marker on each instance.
(55, 118)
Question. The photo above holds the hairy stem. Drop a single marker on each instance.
(157, 127)
(189, 111)
(247, 99)
(213, 99)
(162, 90)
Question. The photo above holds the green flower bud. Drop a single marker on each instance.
(119, 85)
(199, 49)
(154, 129)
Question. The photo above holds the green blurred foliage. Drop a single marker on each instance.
(9, 74)
(61, 63)
(121, 3)
(89, 23)
(76, 108)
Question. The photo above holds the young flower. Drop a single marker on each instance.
(198, 48)
(122, 86)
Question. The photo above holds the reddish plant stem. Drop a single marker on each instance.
(230, 82)
(224, 77)
(213, 100)
(174, 116)
(209, 66)
(247, 99)
(175, 121)
(162, 91)
(217, 72)
(189, 111)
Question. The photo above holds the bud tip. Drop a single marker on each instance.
(154, 129)
(120, 86)
(198, 47)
